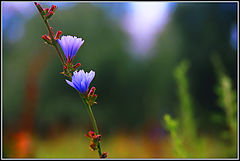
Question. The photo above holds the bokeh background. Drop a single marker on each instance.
(166, 76)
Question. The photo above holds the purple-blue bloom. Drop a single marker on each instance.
(70, 46)
(81, 80)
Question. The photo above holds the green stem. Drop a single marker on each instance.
(91, 116)
(93, 122)
(52, 38)
(54, 42)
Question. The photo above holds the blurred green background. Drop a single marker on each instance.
(166, 76)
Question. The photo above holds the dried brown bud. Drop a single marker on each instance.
(104, 155)
(93, 146)
(97, 137)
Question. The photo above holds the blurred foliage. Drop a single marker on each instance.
(172, 126)
(183, 131)
(183, 137)
(133, 94)
(186, 105)
(227, 100)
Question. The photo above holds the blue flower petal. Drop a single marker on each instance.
(70, 45)
(81, 80)
(70, 83)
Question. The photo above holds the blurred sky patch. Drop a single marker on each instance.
(16, 14)
(143, 22)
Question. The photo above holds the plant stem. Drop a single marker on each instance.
(54, 42)
(52, 38)
(93, 123)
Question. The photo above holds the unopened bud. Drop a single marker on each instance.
(47, 39)
(104, 155)
(97, 137)
(58, 34)
(65, 67)
(53, 8)
(93, 146)
(49, 14)
(91, 92)
(94, 96)
(77, 65)
(90, 134)
(46, 11)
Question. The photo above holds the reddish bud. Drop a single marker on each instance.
(46, 10)
(97, 137)
(44, 37)
(94, 96)
(65, 67)
(53, 8)
(104, 155)
(90, 134)
(58, 34)
(91, 92)
(47, 39)
(77, 65)
(93, 146)
(49, 14)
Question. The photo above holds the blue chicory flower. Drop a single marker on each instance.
(81, 80)
(70, 46)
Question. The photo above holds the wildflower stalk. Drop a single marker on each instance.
(89, 109)
(51, 36)
(80, 79)
(54, 42)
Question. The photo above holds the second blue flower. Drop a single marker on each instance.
(81, 80)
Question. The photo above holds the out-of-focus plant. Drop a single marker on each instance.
(172, 126)
(78, 79)
(226, 97)
(183, 130)
(186, 119)
(227, 100)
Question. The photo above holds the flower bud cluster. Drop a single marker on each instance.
(48, 39)
(91, 96)
(69, 68)
(104, 155)
(46, 12)
(94, 140)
